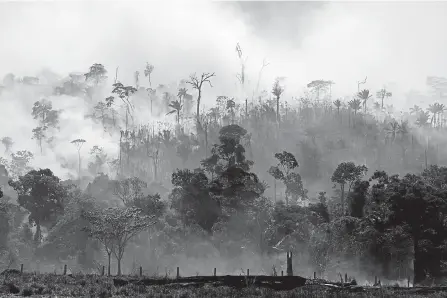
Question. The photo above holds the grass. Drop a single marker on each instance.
(51, 285)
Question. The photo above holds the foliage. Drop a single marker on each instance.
(115, 227)
(292, 180)
(41, 193)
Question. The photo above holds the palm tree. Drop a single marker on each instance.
(434, 110)
(356, 105)
(392, 130)
(381, 94)
(337, 104)
(377, 108)
(177, 107)
(415, 110)
(182, 93)
(364, 95)
(422, 118)
(439, 108)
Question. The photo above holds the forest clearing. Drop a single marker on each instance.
(79, 285)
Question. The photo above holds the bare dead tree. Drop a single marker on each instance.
(197, 84)
(360, 83)
(264, 65)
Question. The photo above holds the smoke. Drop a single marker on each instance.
(396, 45)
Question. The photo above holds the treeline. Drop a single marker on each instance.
(377, 222)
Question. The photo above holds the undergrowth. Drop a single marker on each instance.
(51, 285)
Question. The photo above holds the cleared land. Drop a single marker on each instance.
(50, 285)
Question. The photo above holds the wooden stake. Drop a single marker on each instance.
(21, 268)
(141, 271)
(248, 272)
(178, 272)
(65, 269)
(315, 275)
(346, 277)
(103, 270)
(214, 272)
(282, 273)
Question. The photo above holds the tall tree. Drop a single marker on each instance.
(277, 91)
(364, 95)
(39, 135)
(318, 86)
(43, 111)
(197, 84)
(41, 193)
(124, 92)
(148, 71)
(284, 171)
(347, 173)
(96, 74)
(338, 104)
(176, 108)
(233, 183)
(382, 94)
(79, 143)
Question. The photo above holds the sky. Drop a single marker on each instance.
(394, 44)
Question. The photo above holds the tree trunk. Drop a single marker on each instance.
(277, 109)
(109, 255)
(155, 169)
(198, 105)
(119, 264)
(127, 116)
(79, 156)
(38, 233)
(418, 268)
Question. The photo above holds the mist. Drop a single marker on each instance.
(395, 45)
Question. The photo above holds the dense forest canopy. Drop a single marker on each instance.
(122, 172)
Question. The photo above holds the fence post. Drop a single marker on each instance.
(282, 272)
(408, 282)
(214, 272)
(346, 277)
(102, 271)
(141, 271)
(315, 275)
(65, 269)
(375, 280)
(178, 272)
(248, 272)
(21, 268)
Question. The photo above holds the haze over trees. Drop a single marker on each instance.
(346, 184)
